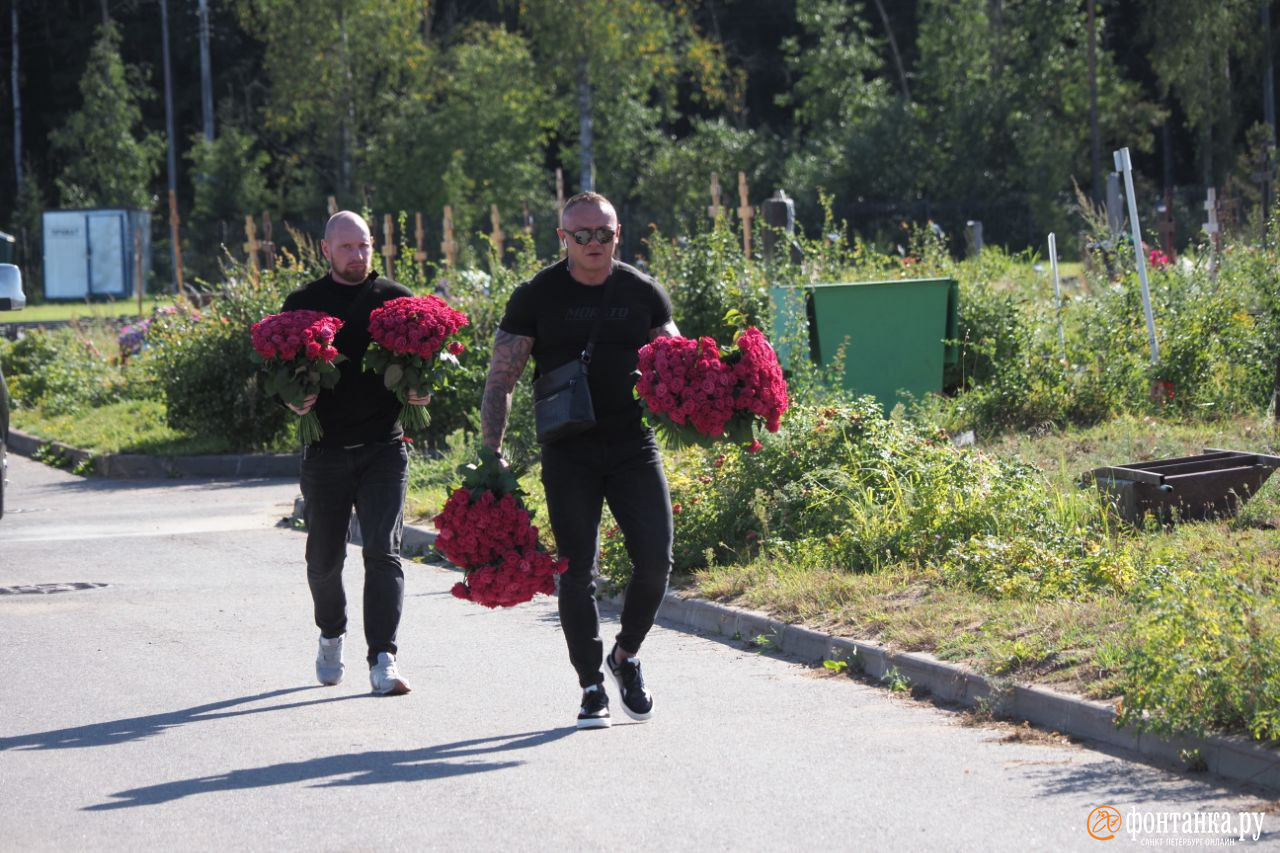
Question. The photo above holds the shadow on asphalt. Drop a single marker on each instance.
(357, 768)
(137, 728)
(104, 484)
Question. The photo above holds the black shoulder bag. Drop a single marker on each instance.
(561, 399)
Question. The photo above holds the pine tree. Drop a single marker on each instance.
(110, 160)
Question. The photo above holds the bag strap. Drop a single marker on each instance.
(585, 357)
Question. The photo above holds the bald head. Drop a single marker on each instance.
(348, 247)
(342, 220)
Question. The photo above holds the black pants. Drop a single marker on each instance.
(579, 475)
(372, 478)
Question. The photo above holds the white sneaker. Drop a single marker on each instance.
(385, 677)
(329, 666)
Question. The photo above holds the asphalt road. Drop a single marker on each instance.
(157, 693)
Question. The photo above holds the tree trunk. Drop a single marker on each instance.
(348, 118)
(893, 48)
(586, 139)
(17, 99)
(206, 73)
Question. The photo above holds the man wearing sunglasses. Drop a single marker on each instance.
(551, 318)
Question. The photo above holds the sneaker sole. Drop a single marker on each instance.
(329, 682)
(617, 682)
(595, 723)
(397, 689)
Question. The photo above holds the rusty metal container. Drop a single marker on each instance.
(1210, 485)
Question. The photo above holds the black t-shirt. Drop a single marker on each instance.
(359, 409)
(557, 312)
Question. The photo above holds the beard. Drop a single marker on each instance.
(354, 271)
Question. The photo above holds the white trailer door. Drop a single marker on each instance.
(66, 261)
(106, 254)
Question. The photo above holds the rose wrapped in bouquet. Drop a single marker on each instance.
(298, 358)
(409, 343)
(695, 394)
(486, 530)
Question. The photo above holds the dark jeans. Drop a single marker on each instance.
(372, 478)
(579, 475)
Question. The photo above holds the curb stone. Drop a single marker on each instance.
(1232, 757)
(138, 466)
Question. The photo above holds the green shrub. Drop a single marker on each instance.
(204, 363)
(60, 371)
(1205, 655)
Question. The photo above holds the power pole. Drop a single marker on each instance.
(17, 99)
(206, 75)
(1095, 144)
(173, 153)
(586, 136)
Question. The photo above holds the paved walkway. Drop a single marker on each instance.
(158, 694)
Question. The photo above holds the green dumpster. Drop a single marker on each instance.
(895, 332)
(6, 248)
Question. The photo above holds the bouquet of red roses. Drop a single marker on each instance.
(486, 530)
(695, 394)
(408, 346)
(295, 349)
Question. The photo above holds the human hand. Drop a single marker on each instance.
(308, 403)
(416, 399)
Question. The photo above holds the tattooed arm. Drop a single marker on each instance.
(510, 354)
(666, 330)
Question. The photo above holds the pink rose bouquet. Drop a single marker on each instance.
(486, 530)
(295, 349)
(409, 343)
(695, 394)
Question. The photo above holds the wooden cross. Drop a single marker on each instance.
(447, 245)
(251, 245)
(715, 209)
(496, 235)
(559, 190)
(1167, 226)
(389, 247)
(268, 247)
(419, 237)
(333, 205)
(745, 213)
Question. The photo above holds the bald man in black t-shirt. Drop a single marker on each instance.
(361, 462)
(551, 317)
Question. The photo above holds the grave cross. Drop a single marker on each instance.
(268, 246)
(745, 213)
(496, 235)
(419, 236)
(251, 244)
(447, 245)
(389, 247)
(715, 209)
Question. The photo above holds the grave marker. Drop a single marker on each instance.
(388, 247)
(746, 213)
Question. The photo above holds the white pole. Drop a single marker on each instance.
(1057, 291)
(1125, 165)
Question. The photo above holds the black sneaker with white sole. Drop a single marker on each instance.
(636, 701)
(594, 713)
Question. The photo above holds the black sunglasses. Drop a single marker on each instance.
(602, 233)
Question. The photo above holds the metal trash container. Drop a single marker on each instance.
(896, 332)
